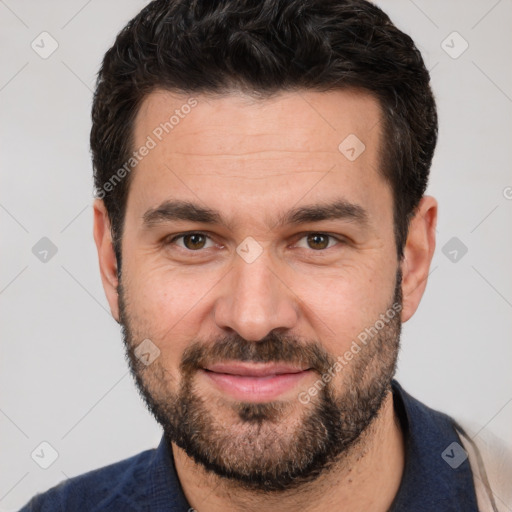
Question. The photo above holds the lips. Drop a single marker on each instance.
(253, 370)
(252, 381)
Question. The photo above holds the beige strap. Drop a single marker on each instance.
(491, 464)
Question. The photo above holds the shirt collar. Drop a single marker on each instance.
(428, 481)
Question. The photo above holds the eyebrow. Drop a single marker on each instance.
(178, 210)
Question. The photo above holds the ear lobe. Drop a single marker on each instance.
(418, 253)
(106, 256)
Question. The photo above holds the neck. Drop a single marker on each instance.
(365, 478)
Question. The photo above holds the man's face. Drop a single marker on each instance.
(253, 306)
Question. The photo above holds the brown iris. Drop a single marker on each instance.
(318, 240)
(197, 241)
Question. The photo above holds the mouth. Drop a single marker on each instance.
(254, 382)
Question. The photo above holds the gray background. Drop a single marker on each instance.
(63, 375)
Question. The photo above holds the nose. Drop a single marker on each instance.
(254, 300)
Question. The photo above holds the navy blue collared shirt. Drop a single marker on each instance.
(148, 481)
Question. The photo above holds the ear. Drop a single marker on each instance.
(418, 252)
(106, 256)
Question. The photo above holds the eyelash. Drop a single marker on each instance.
(304, 235)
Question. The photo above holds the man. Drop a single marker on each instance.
(262, 233)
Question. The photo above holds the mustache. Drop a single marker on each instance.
(274, 348)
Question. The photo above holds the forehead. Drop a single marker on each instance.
(317, 120)
(234, 150)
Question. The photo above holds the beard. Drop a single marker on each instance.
(272, 446)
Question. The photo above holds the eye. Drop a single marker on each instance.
(319, 241)
(193, 241)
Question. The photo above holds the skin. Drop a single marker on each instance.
(252, 161)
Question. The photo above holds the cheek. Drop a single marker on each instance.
(340, 304)
(167, 302)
